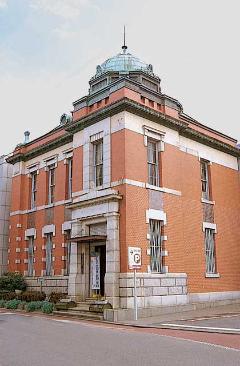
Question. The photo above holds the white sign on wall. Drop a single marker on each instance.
(95, 272)
(134, 258)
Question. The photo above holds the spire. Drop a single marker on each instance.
(124, 47)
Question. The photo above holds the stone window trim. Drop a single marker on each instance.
(48, 229)
(209, 225)
(33, 169)
(51, 162)
(67, 225)
(96, 137)
(203, 200)
(202, 158)
(155, 135)
(30, 232)
(152, 214)
(67, 154)
(212, 275)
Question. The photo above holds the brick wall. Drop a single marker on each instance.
(184, 210)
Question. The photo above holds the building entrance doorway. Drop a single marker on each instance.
(97, 269)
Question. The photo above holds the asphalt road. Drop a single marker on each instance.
(39, 341)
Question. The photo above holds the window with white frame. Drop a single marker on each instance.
(156, 259)
(205, 180)
(69, 177)
(51, 183)
(49, 247)
(98, 162)
(33, 189)
(30, 255)
(210, 250)
(153, 162)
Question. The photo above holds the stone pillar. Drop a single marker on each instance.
(112, 260)
(74, 272)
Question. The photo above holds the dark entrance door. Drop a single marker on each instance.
(101, 249)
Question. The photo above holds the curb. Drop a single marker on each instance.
(142, 326)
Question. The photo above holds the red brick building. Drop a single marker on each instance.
(129, 168)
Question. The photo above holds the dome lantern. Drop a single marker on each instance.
(126, 65)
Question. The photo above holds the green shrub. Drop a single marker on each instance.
(12, 281)
(47, 307)
(34, 305)
(38, 305)
(2, 303)
(56, 297)
(30, 306)
(12, 304)
(30, 296)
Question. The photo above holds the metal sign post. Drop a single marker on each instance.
(134, 262)
(135, 296)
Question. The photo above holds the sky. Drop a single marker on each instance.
(49, 49)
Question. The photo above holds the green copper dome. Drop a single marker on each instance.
(123, 62)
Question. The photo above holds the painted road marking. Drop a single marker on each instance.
(210, 317)
(199, 327)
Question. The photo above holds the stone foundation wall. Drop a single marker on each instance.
(153, 289)
(214, 296)
(49, 284)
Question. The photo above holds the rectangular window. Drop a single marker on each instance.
(33, 189)
(205, 180)
(153, 162)
(156, 262)
(49, 247)
(30, 255)
(69, 177)
(210, 251)
(98, 162)
(51, 183)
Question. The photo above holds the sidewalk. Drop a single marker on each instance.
(222, 315)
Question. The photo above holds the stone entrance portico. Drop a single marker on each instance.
(94, 216)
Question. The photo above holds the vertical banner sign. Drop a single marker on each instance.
(95, 271)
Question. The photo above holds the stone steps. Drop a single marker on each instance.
(83, 306)
(84, 310)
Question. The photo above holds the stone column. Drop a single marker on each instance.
(74, 272)
(112, 260)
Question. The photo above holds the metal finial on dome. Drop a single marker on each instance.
(124, 47)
